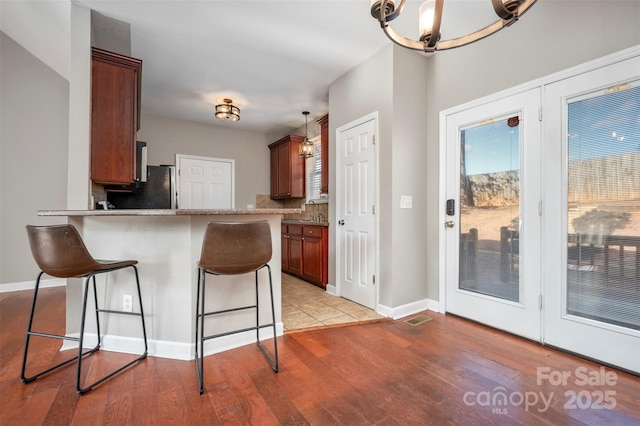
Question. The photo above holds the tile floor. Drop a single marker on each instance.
(304, 305)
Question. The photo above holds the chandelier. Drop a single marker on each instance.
(227, 111)
(430, 17)
(305, 149)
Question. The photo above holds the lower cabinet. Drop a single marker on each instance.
(305, 252)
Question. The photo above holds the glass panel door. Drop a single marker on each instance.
(490, 208)
(491, 220)
(591, 214)
(603, 206)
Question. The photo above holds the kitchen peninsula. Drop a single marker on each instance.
(167, 245)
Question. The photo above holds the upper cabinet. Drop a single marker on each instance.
(115, 117)
(324, 156)
(287, 168)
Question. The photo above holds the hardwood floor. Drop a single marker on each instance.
(443, 371)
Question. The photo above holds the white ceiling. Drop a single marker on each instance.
(275, 59)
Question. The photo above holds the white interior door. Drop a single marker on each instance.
(491, 221)
(592, 214)
(355, 198)
(205, 183)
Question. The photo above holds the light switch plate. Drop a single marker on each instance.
(406, 201)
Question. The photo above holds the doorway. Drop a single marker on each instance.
(560, 261)
(356, 176)
(592, 214)
(492, 221)
(205, 183)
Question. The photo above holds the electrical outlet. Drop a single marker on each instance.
(127, 303)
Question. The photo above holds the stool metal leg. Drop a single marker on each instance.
(201, 314)
(273, 362)
(82, 390)
(30, 333)
(199, 350)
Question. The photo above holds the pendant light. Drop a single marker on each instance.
(306, 146)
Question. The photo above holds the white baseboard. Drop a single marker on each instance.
(331, 289)
(173, 350)
(408, 309)
(30, 285)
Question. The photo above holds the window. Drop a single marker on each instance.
(314, 173)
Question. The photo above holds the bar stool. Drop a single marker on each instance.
(233, 249)
(60, 252)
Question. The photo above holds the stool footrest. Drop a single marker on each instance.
(224, 311)
(109, 311)
(53, 336)
(228, 333)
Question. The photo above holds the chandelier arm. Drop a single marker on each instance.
(486, 31)
(404, 41)
(500, 10)
(385, 18)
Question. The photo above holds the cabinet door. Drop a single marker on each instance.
(284, 172)
(295, 254)
(115, 86)
(287, 169)
(274, 172)
(296, 169)
(285, 248)
(312, 259)
(295, 249)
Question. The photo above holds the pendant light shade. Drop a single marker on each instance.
(305, 149)
(227, 111)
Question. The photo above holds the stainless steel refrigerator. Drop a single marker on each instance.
(158, 192)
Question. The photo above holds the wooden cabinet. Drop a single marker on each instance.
(115, 117)
(287, 168)
(305, 252)
(324, 153)
(295, 250)
(315, 250)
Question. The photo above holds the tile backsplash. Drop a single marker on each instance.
(264, 201)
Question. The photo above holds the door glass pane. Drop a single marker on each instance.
(490, 208)
(603, 221)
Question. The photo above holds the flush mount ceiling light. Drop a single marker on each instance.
(430, 18)
(306, 146)
(227, 111)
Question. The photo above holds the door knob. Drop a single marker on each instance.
(449, 224)
(341, 222)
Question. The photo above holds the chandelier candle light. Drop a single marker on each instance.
(306, 146)
(227, 111)
(430, 18)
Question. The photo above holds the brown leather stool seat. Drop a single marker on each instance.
(232, 249)
(60, 252)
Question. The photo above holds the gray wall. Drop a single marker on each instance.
(387, 83)
(361, 91)
(33, 153)
(167, 137)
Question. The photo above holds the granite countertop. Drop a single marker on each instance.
(303, 222)
(165, 212)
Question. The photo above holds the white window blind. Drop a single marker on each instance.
(314, 173)
(603, 254)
